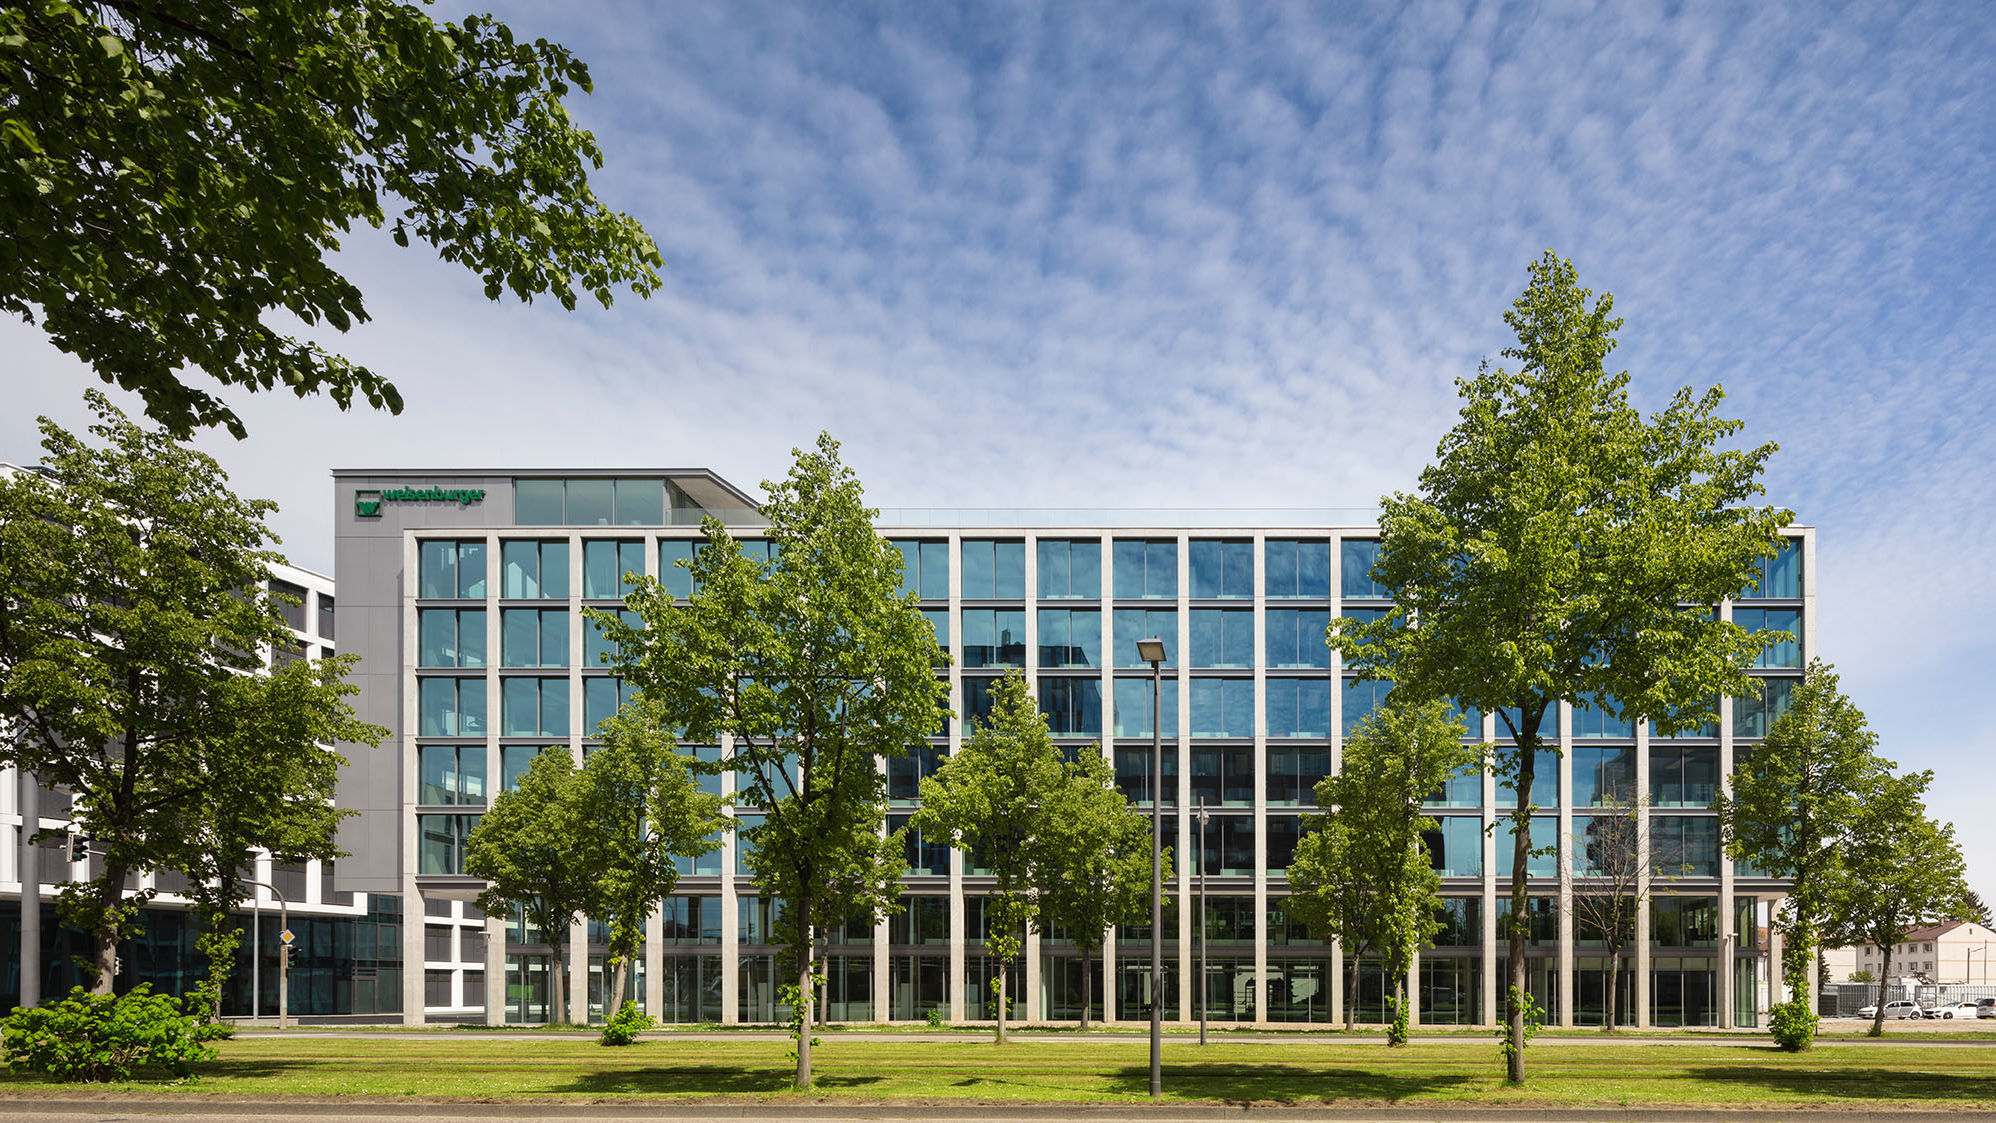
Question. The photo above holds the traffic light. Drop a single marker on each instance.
(79, 847)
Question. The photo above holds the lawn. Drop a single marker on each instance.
(539, 1068)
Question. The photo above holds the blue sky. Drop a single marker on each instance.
(1213, 254)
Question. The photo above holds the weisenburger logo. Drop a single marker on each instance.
(367, 503)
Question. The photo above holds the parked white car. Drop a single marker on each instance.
(1953, 1010)
(1897, 1009)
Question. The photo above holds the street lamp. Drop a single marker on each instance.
(1202, 920)
(1151, 651)
(283, 954)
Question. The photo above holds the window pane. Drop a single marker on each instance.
(1592, 717)
(1604, 774)
(554, 638)
(1222, 569)
(1361, 698)
(640, 502)
(1055, 575)
(1780, 575)
(1293, 775)
(522, 563)
(437, 773)
(674, 577)
(1296, 637)
(1072, 706)
(1355, 561)
(1223, 707)
(437, 707)
(590, 503)
(601, 579)
(521, 711)
(436, 638)
(1161, 569)
(1070, 637)
(1133, 707)
(520, 637)
(978, 575)
(1753, 715)
(599, 702)
(554, 707)
(537, 502)
(554, 570)
(911, 566)
(437, 564)
(1008, 566)
(1298, 707)
(1129, 567)
(1783, 652)
(1133, 624)
(935, 570)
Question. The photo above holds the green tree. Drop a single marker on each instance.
(1564, 548)
(816, 665)
(134, 612)
(1973, 910)
(1790, 808)
(1362, 876)
(1900, 871)
(993, 799)
(1095, 867)
(1615, 859)
(532, 848)
(643, 810)
(175, 174)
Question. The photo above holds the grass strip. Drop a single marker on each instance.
(1105, 1071)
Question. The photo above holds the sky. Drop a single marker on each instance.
(1212, 254)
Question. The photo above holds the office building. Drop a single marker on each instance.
(461, 592)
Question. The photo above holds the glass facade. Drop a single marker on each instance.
(1253, 716)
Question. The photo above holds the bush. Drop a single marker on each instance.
(104, 1037)
(625, 1027)
(1793, 1025)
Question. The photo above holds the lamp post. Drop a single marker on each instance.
(1152, 651)
(1202, 920)
(283, 954)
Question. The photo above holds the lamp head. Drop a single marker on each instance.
(1151, 650)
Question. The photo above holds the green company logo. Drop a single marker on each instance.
(367, 504)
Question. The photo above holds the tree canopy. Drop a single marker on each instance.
(995, 797)
(530, 848)
(1362, 876)
(1563, 547)
(1901, 870)
(1096, 865)
(814, 665)
(135, 622)
(174, 175)
(1791, 807)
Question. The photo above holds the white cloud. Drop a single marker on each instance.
(1075, 256)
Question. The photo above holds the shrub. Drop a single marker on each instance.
(1793, 1024)
(625, 1027)
(104, 1037)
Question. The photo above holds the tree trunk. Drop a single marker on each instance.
(1521, 858)
(804, 992)
(1087, 988)
(1884, 978)
(1001, 1003)
(104, 940)
(557, 979)
(1351, 993)
(1393, 1035)
(1614, 978)
(620, 979)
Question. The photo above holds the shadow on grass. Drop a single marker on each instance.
(1855, 1083)
(702, 1080)
(1286, 1083)
(232, 1070)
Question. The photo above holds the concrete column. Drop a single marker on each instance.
(731, 919)
(1414, 991)
(1035, 1009)
(578, 972)
(1639, 973)
(30, 867)
(1182, 814)
(882, 977)
(495, 970)
(413, 924)
(654, 953)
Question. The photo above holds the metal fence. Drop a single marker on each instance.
(1843, 1000)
